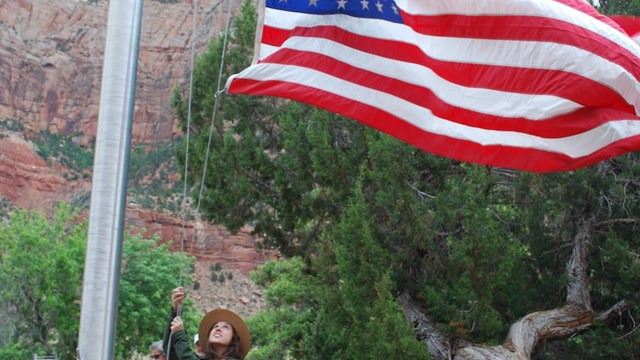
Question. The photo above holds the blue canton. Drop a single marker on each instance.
(371, 9)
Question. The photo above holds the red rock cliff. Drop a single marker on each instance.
(51, 56)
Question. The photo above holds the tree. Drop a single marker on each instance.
(148, 273)
(40, 270)
(485, 262)
(41, 266)
(618, 7)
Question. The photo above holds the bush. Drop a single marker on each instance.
(14, 351)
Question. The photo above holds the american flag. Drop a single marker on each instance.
(534, 85)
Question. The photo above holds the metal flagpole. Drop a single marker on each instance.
(99, 306)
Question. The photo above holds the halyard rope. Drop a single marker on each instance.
(205, 164)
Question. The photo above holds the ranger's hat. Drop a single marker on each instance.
(217, 315)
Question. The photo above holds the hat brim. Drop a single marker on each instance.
(217, 315)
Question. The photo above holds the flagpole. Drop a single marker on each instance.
(99, 307)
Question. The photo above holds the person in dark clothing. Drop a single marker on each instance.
(196, 343)
(156, 352)
(222, 333)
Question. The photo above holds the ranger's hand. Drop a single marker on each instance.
(177, 297)
(176, 324)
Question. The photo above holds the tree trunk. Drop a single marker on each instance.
(525, 334)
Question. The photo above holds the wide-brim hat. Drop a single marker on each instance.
(241, 329)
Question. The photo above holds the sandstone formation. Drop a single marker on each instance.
(51, 56)
(210, 243)
(26, 179)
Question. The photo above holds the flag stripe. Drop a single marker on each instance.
(629, 24)
(446, 74)
(563, 125)
(536, 85)
(576, 12)
(497, 53)
(543, 17)
(497, 147)
(525, 28)
(302, 84)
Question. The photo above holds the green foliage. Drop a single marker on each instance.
(361, 217)
(386, 321)
(359, 259)
(358, 319)
(16, 351)
(40, 273)
(41, 265)
(619, 7)
(12, 125)
(276, 333)
(600, 343)
(333, 316)
(150, 171)
(63, 149)
(148, 273)
(285, 281)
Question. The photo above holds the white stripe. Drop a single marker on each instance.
(536, 55)
(266, 50)
(573, 146)
(542, 8)
(494, 102)
(526, 54)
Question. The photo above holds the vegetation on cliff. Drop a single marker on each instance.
(482, 262)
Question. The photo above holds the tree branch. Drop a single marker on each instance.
(610, 222)
(437, 343)
(525, 334)
(577, 267)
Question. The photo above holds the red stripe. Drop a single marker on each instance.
(586, 8)
(506, 156)
(509, 79)
(525, 28)
(570, 124)
(629, 24)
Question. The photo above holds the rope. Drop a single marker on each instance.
(219, 91)
(211, 127)
(215, 108)
(186, 161)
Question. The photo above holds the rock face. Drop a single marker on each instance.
(51, 56)
(211, 244)
(27, 180)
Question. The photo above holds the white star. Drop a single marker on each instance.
(342, 4)
(313, 3)
(379, 6)
(395, 9)
(365, 4)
